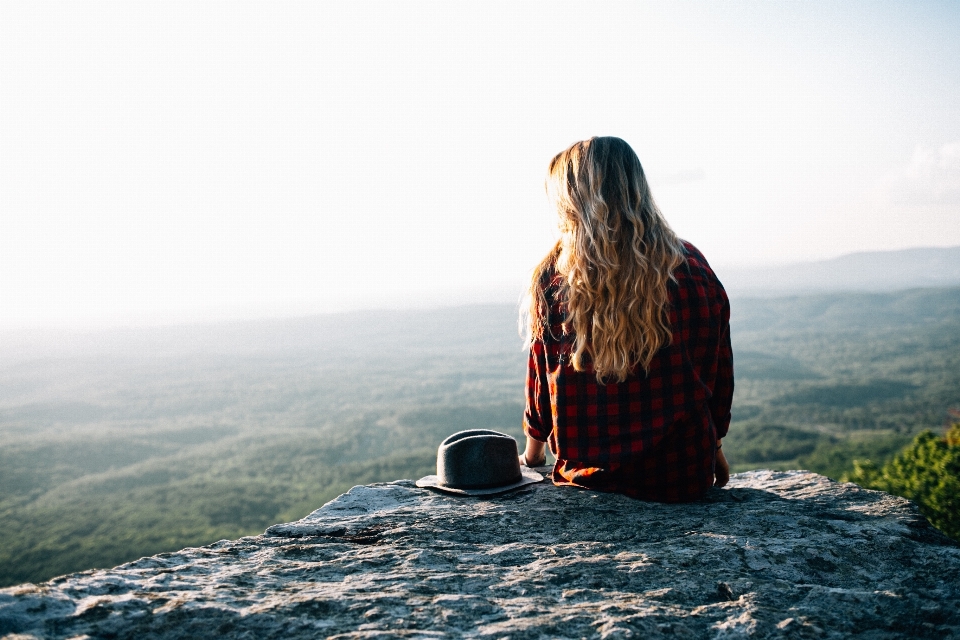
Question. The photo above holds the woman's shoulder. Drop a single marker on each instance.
(693, 256)
(696, 268)
(550, 282)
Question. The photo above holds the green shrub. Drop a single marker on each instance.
(927, 472)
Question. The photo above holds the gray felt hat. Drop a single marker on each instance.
(479, 462)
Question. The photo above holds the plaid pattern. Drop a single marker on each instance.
(652, 436)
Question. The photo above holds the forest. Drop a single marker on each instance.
(120, 444)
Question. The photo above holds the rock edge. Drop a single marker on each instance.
(773, 555)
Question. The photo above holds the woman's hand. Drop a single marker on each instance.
(535, 455)
(722, 470)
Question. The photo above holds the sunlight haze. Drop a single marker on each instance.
(166, 161)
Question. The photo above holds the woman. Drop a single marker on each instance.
(630, 374)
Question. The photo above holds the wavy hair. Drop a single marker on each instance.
(615, 258)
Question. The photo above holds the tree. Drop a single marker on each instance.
(927, 472)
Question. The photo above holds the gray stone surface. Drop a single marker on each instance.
(774, 555)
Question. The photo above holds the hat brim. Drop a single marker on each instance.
(529, 477)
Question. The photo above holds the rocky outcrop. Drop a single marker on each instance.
(775, 554)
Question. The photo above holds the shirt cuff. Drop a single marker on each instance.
(533, 432)
(722, 427)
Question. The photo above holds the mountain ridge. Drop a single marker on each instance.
(871, 271)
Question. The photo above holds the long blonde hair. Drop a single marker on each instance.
(615, 258)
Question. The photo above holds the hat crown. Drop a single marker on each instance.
(478, 459)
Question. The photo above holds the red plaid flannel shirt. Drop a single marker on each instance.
(652, 436)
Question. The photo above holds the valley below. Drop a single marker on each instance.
(117, 445)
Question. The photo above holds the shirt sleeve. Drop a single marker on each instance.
(537, 415)
(722, 398)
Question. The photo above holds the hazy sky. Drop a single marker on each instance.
(207, 159)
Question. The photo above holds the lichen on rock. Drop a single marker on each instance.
(773, 555)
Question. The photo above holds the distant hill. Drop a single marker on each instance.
(459, 332)
(847, 310)
(868, 271)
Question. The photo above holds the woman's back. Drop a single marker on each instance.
(652, 435)
(630, 375)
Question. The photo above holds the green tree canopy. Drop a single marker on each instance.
(927, 472)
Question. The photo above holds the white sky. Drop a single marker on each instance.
(165, 160)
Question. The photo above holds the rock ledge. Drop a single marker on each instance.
(775, 554)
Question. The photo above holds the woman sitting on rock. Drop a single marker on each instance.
(630, 374)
